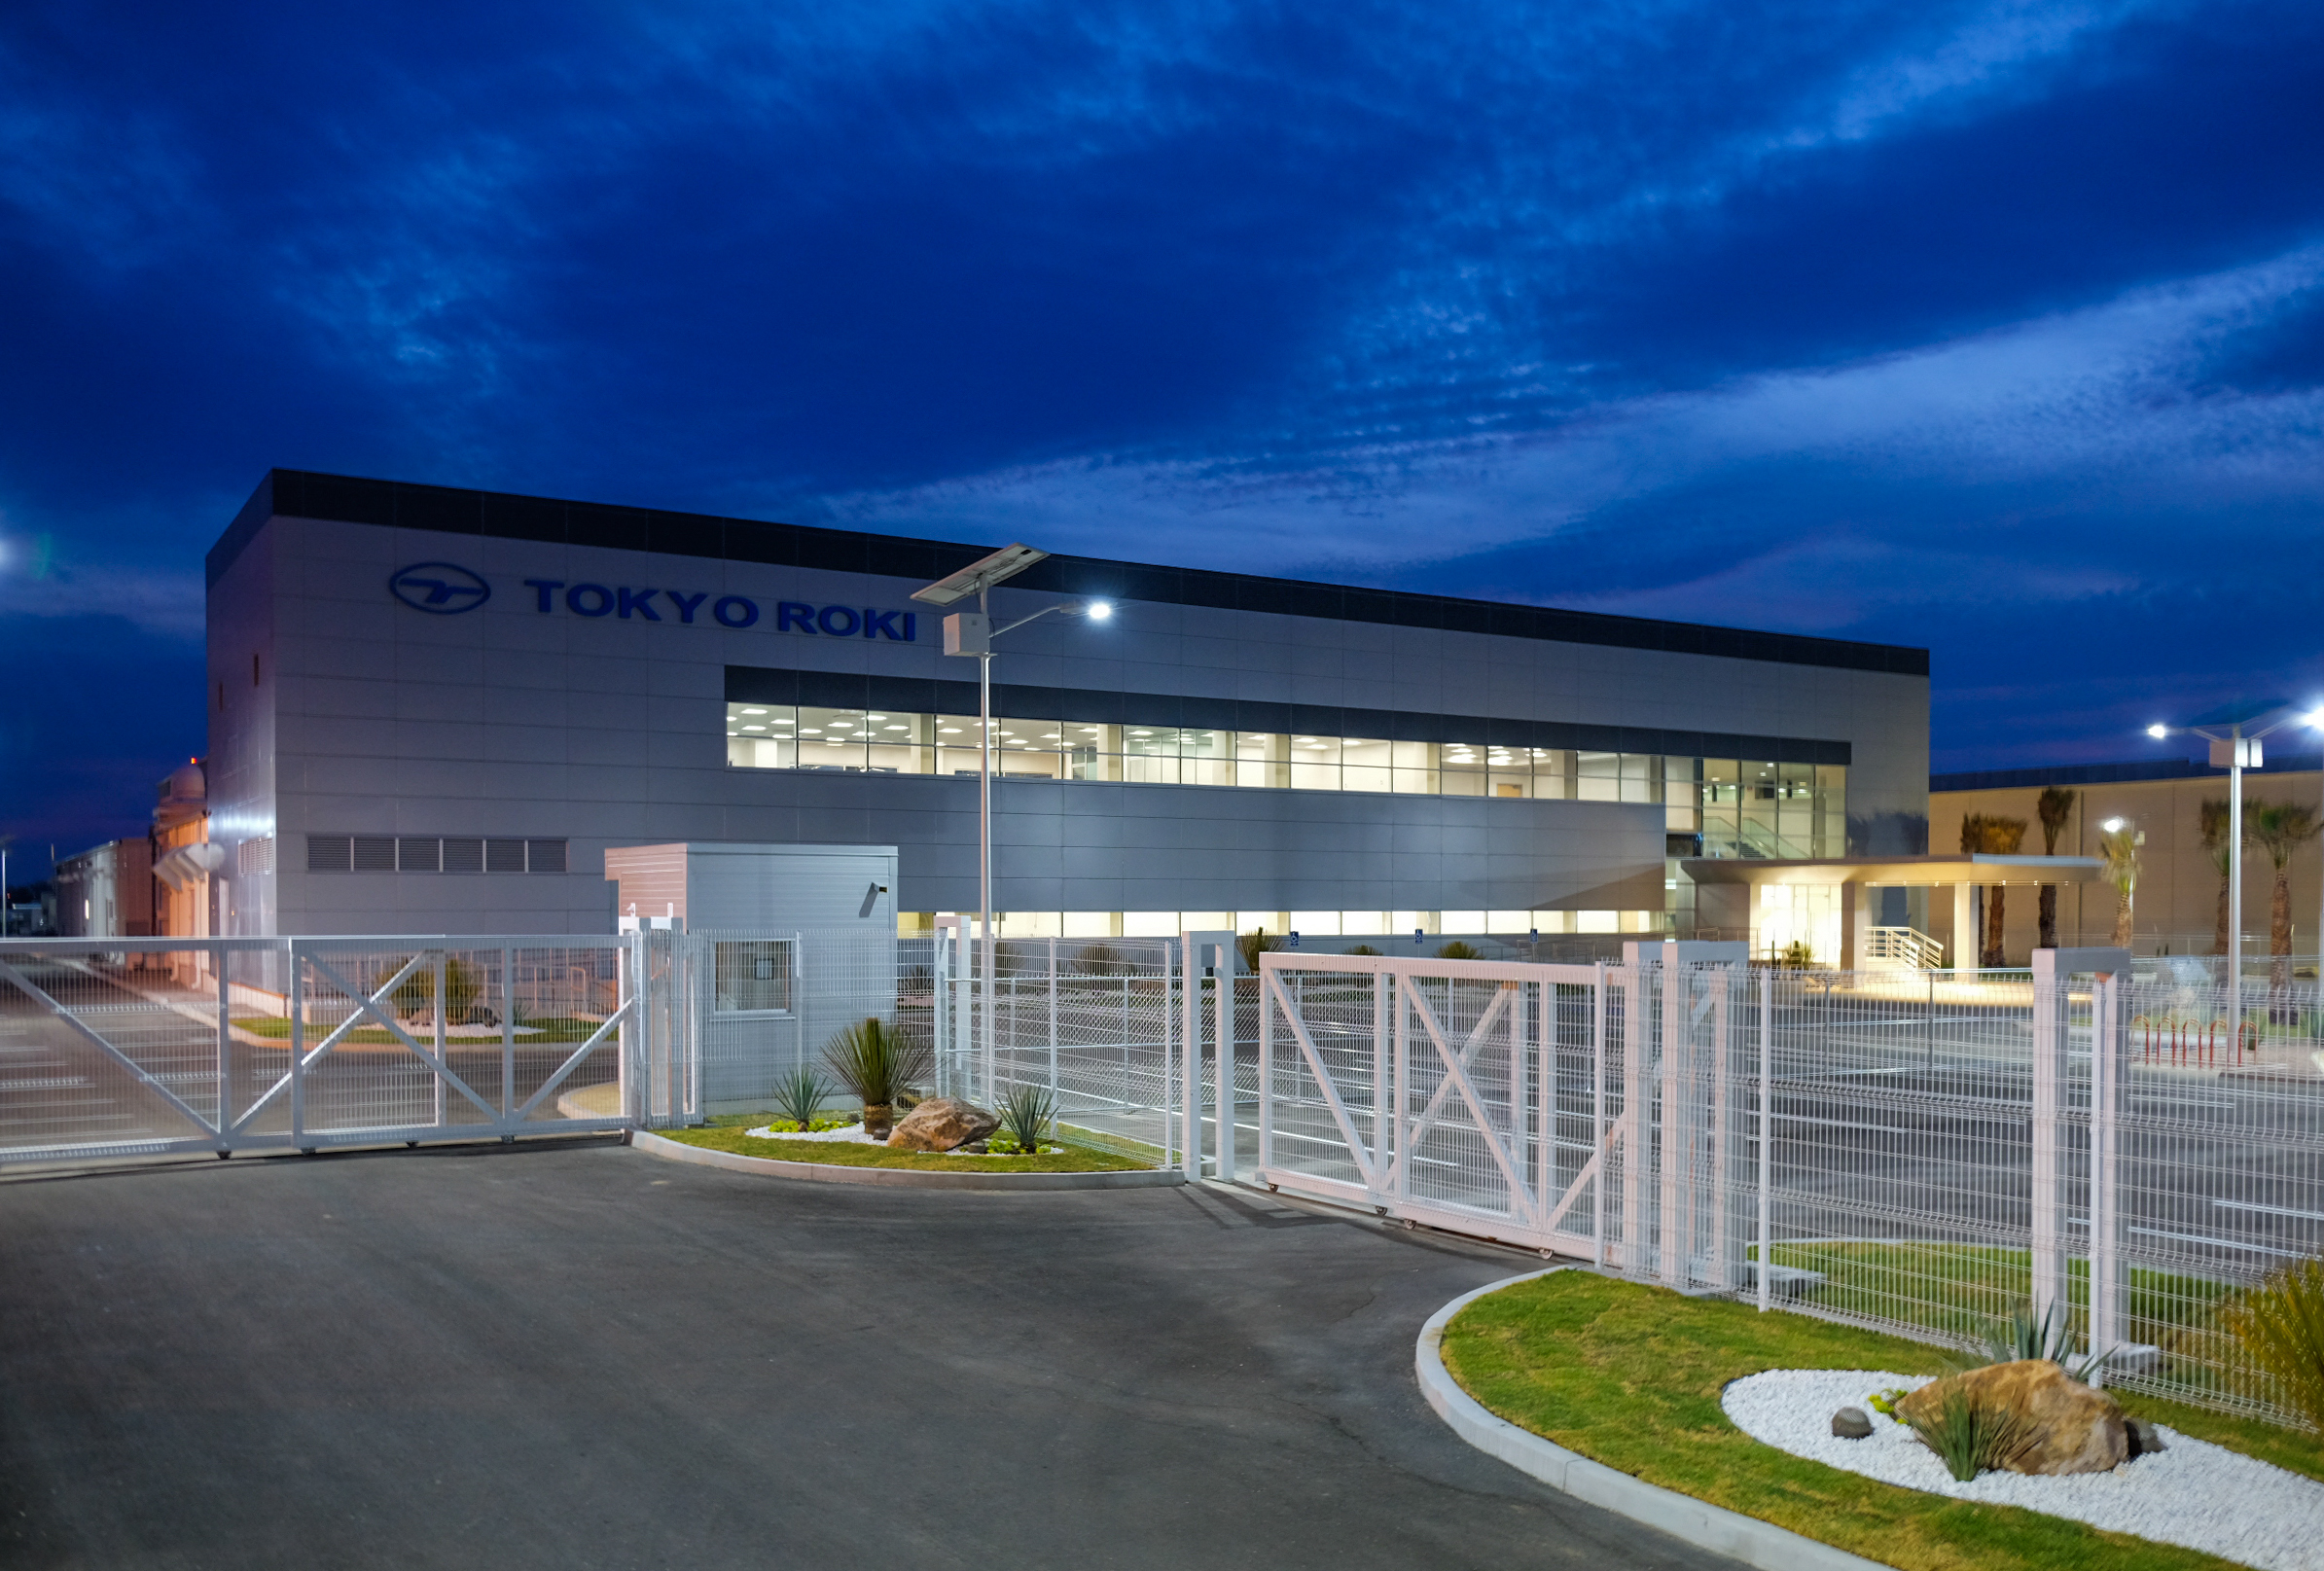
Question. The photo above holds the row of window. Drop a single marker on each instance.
(429, 853)
(1740, 807)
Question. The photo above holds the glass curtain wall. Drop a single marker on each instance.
(1744, 807)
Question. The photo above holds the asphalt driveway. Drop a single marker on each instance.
(581, 1356)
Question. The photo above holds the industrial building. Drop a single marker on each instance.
(436, 710)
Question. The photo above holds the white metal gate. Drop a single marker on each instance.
(1484, 1096)
(135, 1047)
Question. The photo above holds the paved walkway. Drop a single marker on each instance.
(579, 1356)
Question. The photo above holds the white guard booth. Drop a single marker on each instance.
(787, 944)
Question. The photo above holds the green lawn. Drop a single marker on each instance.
(839, 1154)
(1630, 1375)
(1960, 1288)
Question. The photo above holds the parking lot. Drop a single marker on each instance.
(574, 1355)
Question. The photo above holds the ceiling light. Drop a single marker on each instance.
(1141, 734)
(947, 730)
(874, 717)
(754, 711)
(754, 728)
(809, 731)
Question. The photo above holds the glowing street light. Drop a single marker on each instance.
(971, 633)
(2234, 734)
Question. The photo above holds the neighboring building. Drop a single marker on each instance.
(107, 892)
(2177, 904)
(186, 894)
(435, 710)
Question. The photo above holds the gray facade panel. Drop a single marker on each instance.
(513, 721)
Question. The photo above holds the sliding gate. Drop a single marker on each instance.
(1588, 1110)
(139, 1046)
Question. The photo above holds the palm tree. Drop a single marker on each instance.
(2118, 847)
(1994, 835)
(2052, 807)
(2280, 829)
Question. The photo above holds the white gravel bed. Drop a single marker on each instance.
(2194, 1493)
(854, 1135)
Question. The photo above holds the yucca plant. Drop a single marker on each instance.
(1253, 944)
(1025, 1114)
(1969, 1437)
(877, 1061)
(2279, 1325)
(799, 1096)
(2025, 1334)
(1363, 949)
(1457, 951)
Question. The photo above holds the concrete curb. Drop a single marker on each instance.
(815, 1172)
(1683, 1516)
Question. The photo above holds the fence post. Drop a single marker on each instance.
(1601, 1133)
(508, 1031)
(1720, 1158)
(1053, 1089)
(1767, 1133)
(1267, 1076)
(2049, 1286)
(1383, 1139)
(1224, 1001)
(298, 1045)
(1670, 1235)
(1400, 1088)
(226, 1053)
(2106, 1098)
(1637, 1035)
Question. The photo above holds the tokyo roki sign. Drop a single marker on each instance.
(446, 588)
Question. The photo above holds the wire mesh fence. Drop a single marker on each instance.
(1911, 1151)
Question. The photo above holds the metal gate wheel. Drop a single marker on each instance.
(1410, 1223)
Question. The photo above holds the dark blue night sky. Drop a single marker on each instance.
(1996, 329)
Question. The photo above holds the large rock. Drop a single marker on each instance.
(2074, 1428)
(940, 1124)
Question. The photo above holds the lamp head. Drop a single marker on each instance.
(2113, 826)
(2313, 717)
(2158, 732)
(1099, 610)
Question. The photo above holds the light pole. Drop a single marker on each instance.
(972, 633)
(2234, 733)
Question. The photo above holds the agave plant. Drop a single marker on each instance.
(2281, 1325)
(1025, 1114)
(877, 1062)
(2026, 1334)
(1969, 1437)
(799, 1096)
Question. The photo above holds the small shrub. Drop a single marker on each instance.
(1969, 1437)
(1885, 1403)
(2279, 1325)
(799, 1095)
(1025, 1114)
(1001, 1143)
(877, 1061)
(2024, 1335)
(1255, 943)
(1457, 951)
(1363, 949)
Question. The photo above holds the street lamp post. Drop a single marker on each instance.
(2239, 749)
(971, 633)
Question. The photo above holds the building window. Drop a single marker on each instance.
(751, 978)
(1741, 807)
(410, 853)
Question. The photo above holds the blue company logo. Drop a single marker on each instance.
(438, 587)
(737, 611)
